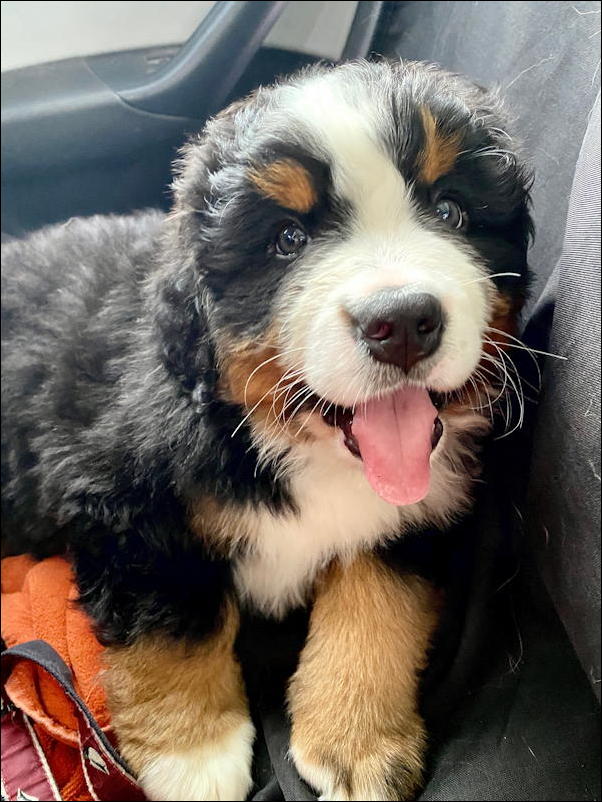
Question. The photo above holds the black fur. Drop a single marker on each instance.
(112, 423)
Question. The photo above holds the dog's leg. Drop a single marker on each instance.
(180, 714)
(356, 730)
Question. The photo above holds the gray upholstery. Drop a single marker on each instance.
(564, 491)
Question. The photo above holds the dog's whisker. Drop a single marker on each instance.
(300, 429)
(355, 400)
(272, 389)
(496, 344)
(471, 402)
(521, 345)
(304, 400)
(477, 378)
(303, 390)
(325, 410)
(284, 391)
(519, 396)
(489, 278)
(254, 407)
(266, 362)
(290, 379)
(535, 389)
(507, 380)
(503, 363)
(497, 377)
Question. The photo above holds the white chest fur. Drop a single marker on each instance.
(338, 513)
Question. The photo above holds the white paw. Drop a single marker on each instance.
(220, 770)
(320, 778)
(324, 781)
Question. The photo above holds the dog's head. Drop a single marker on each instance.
(358, 235)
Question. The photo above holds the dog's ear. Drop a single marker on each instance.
(180, 303)
(508, 170)
(180, 325)
(205, 154)
(507, 165)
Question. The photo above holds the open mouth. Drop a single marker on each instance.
(342, 417)
(394, 437)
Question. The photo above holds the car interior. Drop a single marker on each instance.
(96, 100)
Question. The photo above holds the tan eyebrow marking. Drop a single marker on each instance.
(440, 150)
(288, 183)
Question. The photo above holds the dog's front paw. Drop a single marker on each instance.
(218, 770)
(388, 768)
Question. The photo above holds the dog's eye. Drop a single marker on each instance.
(450, 212)
(290, 240)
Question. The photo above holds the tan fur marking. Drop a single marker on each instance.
(504, 317)
(478, 394)
(353, 699)
(167, 695)
(245, 382)
(286, 182)
(220, 526)
(262, 389)
(440, 150)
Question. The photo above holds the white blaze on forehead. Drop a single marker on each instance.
(347, 128)
(386, 245)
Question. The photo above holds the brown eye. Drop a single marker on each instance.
(450, 212)
(290, 240)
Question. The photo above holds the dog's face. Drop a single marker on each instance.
(351, 227)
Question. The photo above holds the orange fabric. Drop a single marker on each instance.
(65, 763)
(38, 603)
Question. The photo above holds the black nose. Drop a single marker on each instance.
(400, 327)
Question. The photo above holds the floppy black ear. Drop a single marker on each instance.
(180, 301)
(180, 325)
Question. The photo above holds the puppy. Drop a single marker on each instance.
(238, 403)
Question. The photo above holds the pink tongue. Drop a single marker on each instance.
(395, 439)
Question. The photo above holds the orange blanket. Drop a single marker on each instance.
(38, 603)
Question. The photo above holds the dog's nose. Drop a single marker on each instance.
(399, 327)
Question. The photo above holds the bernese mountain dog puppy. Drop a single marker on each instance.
(239, 404)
